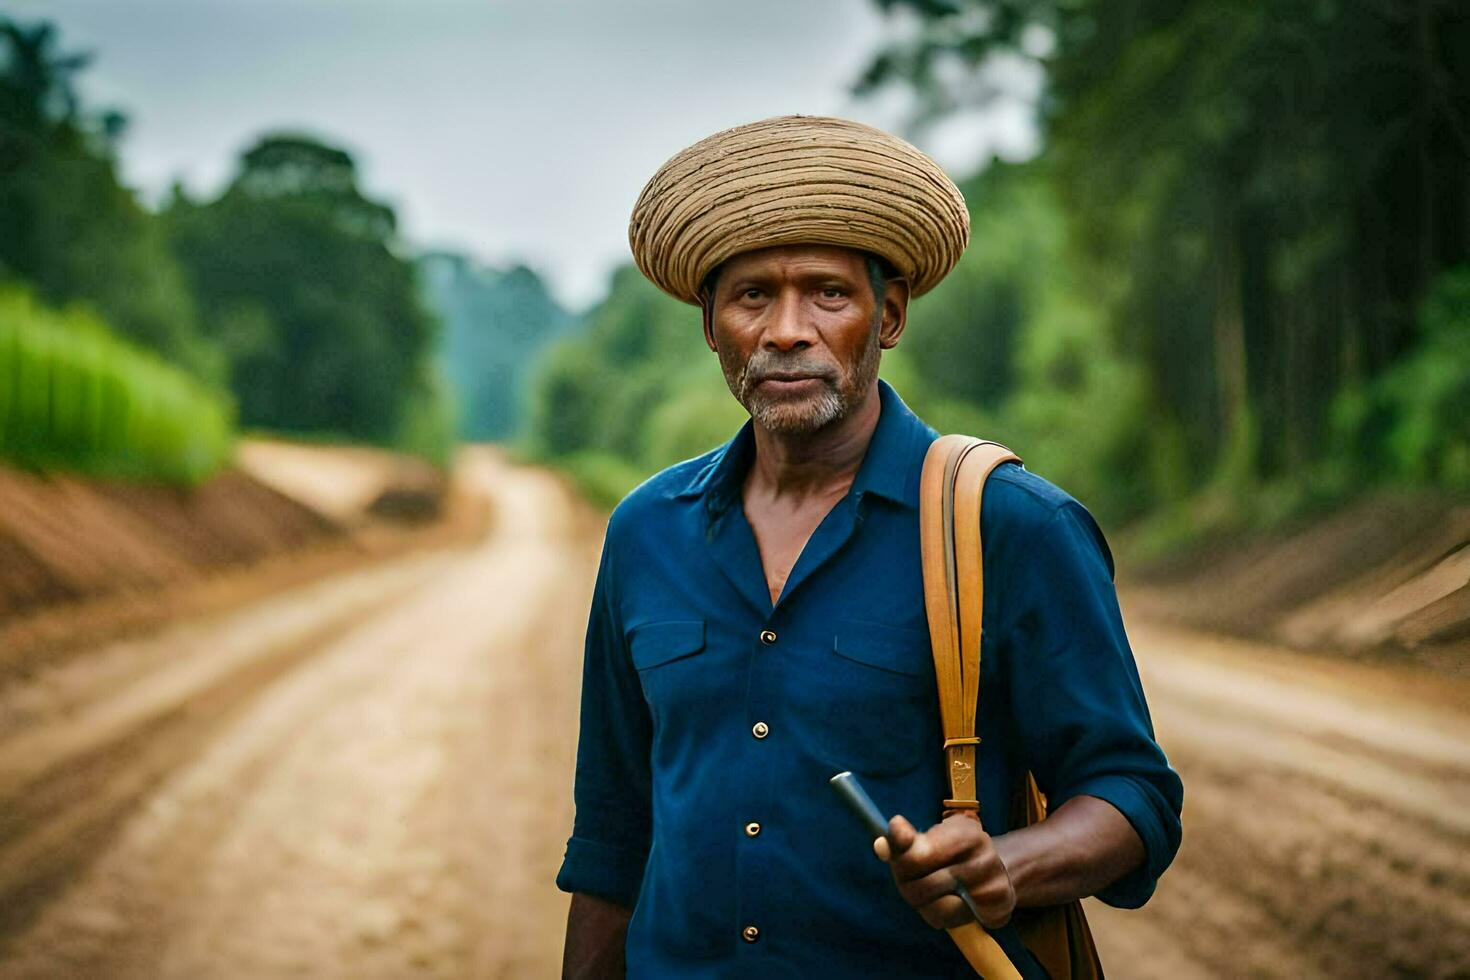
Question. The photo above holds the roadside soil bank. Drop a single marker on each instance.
(1386, 577)
(82, 561)
(353, 486)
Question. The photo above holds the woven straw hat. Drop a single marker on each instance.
(797, 180)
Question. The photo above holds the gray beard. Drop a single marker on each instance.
(800, 416)
(803, 417)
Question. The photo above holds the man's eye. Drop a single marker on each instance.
(832, 292)
(751, 293)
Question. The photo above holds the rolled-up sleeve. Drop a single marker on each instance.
(613, 825)
(1082, 721)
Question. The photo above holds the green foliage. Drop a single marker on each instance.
(971, 324)
(636, 390)
(1081, 413)
(288, 288)
(427, 428)
(496, 327)
(602, 478)
(73, 396)
(298, 277)
(564, 401)
(1412, 423)
(597, 391)
(1010, 348)
(697, 417)
(68, 228)
(951, 41)
(1257, 199)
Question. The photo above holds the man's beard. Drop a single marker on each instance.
(800, 414)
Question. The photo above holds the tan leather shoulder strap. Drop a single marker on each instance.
(955, 470)
(936, 536)
(951, 489)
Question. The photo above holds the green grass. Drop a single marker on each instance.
(73, 397)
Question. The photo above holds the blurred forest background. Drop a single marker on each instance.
(1234, 285)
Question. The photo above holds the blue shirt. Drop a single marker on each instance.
(711, 720)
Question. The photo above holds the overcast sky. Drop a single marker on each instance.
(509, 129)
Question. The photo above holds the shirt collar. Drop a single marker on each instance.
(890, 468)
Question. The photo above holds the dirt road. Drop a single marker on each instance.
(370, 777)
(1326, 818)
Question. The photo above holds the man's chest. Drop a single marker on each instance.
(781, 534)
(838, 672)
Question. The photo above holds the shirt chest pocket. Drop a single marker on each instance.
(655, 644)
(875, 709)
(664, 656)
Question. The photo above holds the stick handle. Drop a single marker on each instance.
(979, 947)
(861, 804)
(983, 952)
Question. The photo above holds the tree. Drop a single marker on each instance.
(632, 387)
(497, 324)
(299, 276)
(1259, 194)
(68, 228)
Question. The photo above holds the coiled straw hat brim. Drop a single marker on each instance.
(796, 180)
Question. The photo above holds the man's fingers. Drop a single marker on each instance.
(928, 869)
(995, 902)
(915, 855)
(929, 889)
(947, 910)
(901, 837)
(946, 913)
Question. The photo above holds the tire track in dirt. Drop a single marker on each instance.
(66, 785)
(1325, 825)
(354, 818)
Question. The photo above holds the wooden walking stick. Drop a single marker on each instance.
(979, 947)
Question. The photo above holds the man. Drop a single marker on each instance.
(758, 622)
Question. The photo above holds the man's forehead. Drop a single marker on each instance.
(797, 259)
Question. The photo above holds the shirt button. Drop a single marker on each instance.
(760, 729)
(752, 828)
(750, 934)
(767, 637)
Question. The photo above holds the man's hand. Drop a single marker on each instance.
(925, 867)
(596, 930)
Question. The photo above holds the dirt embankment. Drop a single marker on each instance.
(68, 540)
(1387, 576)
(84, 559)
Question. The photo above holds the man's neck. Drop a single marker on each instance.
(818, 464)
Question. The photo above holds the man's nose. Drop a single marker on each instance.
(788, 326)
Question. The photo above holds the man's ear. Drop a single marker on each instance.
(895, 312)
(706, 315)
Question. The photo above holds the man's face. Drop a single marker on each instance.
(798, 330)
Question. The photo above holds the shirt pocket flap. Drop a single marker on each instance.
(890, 648)
(658, 643)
